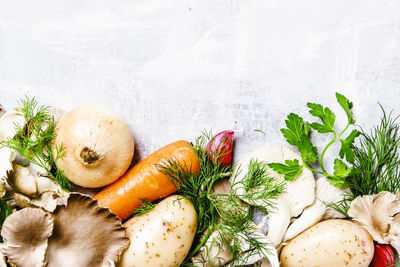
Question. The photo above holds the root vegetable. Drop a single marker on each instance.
(161, 237)
(146, 181)
(329, 243)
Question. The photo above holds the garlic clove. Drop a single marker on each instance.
(219, 148)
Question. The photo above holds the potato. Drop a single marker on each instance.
(329, 243)
(161, 237)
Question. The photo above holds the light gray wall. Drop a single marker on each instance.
(173, 68)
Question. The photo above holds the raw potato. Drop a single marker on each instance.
(329, 243)
(161, 237)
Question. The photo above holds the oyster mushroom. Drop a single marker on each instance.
(213, 253)
(378, 214)
(25, 235)
(84, 228)
(326, 194)
(298, 194)
(8, 122)
(79, 234)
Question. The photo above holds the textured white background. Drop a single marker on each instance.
(173, 68)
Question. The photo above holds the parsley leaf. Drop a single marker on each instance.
(326, 115)
(347, 106)
(341, 172)
(296, 134)
(291, 169)
(309, 153)
(296, 128)
(346, 150)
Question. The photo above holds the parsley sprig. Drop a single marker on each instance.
(297, 133)
(34, 140)
(5, 211)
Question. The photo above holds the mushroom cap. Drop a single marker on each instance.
(298, 194)
(7, 124)
(376, 214)
(25, 235)
(84, 228)
(7, 156)
(326, 194)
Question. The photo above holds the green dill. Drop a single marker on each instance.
(260, 131)
(5, 211)
(297, 133)
(377, 162)
(223, 214)
(145, 207)
(34, 140)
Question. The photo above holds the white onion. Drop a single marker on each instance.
(98, 146)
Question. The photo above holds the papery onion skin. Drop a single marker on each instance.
(98, 146)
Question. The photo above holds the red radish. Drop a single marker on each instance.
(219, 148)
(383, 256)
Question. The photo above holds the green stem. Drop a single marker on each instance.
(342, 132)
(321, 160)
(204, 240)
(311, 169)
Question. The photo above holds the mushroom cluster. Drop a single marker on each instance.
(380, 216)
(35, 237)
(303, 203)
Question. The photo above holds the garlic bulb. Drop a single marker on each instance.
(98, 146)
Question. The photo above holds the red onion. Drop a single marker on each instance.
(219, 148)
(383, 256)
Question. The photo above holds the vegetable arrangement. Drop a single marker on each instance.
(187, 204)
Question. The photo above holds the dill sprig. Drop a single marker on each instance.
(34, 140)
(5, 211)
(377, 162)
(223, 214)
(145, 207)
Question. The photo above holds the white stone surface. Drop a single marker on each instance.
(173, 68)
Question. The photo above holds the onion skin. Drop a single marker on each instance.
(383, 256)
(146, 181)
(98, 146)
(219, 148)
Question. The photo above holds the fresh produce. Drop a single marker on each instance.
(329, 243)
(97, 146)
(224, 213)
(321, 209)
(219, 148)
(161, 237)
(377, 159)
(81, 234)
(297, 134)
(146, 181)
(383, 256)
(34, 140)
(380, 216)
(297, 194)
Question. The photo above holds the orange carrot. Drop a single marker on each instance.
(145, 181)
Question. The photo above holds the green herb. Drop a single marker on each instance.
(5, 211)
(297, 133)
(33, 141)
(377, 162)
(260, 131)
(145, 207)
(223, 214)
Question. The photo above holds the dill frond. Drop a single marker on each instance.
(145, 207)
(377, 162)
(33, 140)
(224, 214)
